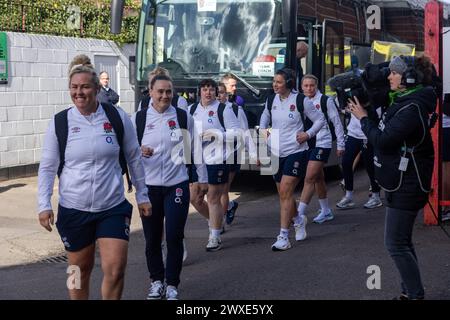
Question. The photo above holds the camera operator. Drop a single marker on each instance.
(403, 160)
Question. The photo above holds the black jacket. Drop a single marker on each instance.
(404, 132)
(109, 96)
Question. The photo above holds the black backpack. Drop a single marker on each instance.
(62, 132)
(307, 123)
(141, 119)
(324, 108)
(220, 111)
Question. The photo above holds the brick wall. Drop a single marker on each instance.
(404, 24)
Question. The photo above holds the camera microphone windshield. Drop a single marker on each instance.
(348, 85)
(344, 81)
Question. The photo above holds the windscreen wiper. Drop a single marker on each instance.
(255, 91)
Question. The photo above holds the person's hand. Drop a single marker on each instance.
(356, 108)
(145, 209)
(208, 135)
(302, 137)
(47, 218)
(340, 153)
(147, 151)
(258, 163)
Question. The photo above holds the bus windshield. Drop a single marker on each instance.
(194, 38)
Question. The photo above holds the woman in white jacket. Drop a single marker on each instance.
(92, 205)
(164, 132)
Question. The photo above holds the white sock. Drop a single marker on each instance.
(230, 204)
(376, 195)
(324, 204)
(215, 233)
(349, 194)
(284, 232)
(301, 209)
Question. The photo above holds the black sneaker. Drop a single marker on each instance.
(401, 297)
(232, 212)
(156, 291)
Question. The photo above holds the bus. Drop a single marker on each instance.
(250, 39)
(197, 39)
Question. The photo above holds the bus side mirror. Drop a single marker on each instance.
(116, 16)
(288, 15)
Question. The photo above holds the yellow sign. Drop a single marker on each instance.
(384, 51)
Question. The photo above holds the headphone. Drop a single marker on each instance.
(411, 77)
(288, 75)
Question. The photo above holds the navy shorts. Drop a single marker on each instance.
(217, 173)
(79, 229)
(234, 168)
(319, 154)
(293, 165)
(446, 145)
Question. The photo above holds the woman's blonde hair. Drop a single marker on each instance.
(82, 64)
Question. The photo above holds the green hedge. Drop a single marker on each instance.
(51, 17)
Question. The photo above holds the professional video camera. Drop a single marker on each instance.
(370, 86)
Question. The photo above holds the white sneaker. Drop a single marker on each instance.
(171, 293)
(300, 229)
(214, 244)
(324, 216)
(156, 290)
(281, 244)
(345, 203)
(374, 202)
(184, 250)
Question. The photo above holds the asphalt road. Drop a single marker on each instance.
(330, 264)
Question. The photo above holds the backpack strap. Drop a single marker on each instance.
(324, 107)
(235, 108)
(269, 104)
(307, 123)
(175, 99)
(193, 108)
(141, 118)
(182, 118)
(62, 132)
(301, 108)
(220, 111)
(116, 121)
(145, 101)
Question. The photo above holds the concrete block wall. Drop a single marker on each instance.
(38, 88)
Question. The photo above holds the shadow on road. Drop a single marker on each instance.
(11, 186)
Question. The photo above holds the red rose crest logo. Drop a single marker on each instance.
(211, 113)
(292, 108)
(107, 127)
(172, 124)
(317, 106)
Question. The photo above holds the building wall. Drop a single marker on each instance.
(38, 88)
(402, 23)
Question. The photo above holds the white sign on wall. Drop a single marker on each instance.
(264, 69)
